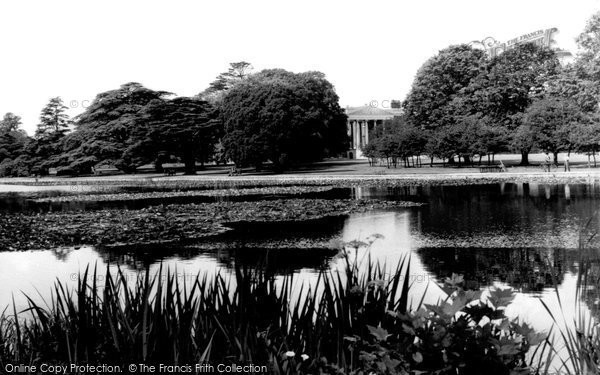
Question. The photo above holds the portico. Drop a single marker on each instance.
(362, 122)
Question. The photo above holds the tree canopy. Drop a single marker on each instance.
(282, 117)
(103, 131)
(183, 127)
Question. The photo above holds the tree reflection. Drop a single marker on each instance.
(525, 269)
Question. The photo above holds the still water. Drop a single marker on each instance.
(523, 236)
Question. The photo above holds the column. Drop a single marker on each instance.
(356, 134)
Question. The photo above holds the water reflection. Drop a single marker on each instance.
(528, 270)
(476, 231)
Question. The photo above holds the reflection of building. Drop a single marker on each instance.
(362, 121)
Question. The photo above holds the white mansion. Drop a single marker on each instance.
(362, 121)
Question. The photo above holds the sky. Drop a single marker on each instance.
(369, 50)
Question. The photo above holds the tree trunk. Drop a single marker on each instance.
(594, 155)
(189, 162)
(158, 165)
(555, 158)
(524, 158)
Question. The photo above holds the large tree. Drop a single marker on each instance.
(551, 121)
(237, 72)
(507, 87)
(186, 128)
(587, 64)
(462, 94)
(103, 131)
(13, 141)
(45, 148)
(10, 122)
(439, 81)
(284, 118)
(54, 122)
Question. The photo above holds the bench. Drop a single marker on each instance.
(102, 171)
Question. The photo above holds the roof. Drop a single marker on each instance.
(368, 112)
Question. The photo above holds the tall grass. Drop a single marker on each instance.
(247, 317)
(355, 321)
(576, 343)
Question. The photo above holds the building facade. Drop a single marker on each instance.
(362, 122)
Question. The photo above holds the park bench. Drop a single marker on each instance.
(103, 171)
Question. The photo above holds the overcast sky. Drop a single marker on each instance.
(370, 50)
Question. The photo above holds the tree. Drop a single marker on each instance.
(585, 136)
(396, 139)
(523, 139)
(45, 148)
(438, 81)
(551, 120)
(104, 130)
(183, 127)
(13, 140)
(569, 85)
(284, 118)
(54, 122)
(10, 122)
(237, 72)
(587, 65)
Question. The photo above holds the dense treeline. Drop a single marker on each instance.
(463, 104)
(248, 118)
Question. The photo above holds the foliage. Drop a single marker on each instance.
(237, 72)
(10, 122)
(183, 127)
(282, 117)
(587, 65)
(103, 131)
(354, 322)
(470, 103)
(54, 122)
(552, 121)
(438, 81)
(13, 141)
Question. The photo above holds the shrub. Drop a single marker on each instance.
(14, 168)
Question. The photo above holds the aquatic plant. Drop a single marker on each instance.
(576, 342)
(354, 321)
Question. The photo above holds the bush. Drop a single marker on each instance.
(14, 168)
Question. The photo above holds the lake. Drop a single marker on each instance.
(523, 236)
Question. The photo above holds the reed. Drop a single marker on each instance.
(357, 320)
(575, 345)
